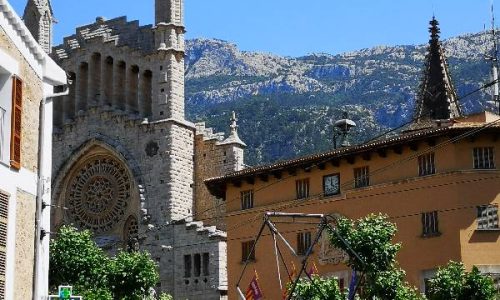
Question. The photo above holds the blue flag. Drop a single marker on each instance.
(352, 285)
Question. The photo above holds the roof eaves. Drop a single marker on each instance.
(338, 153)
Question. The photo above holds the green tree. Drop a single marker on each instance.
(164, 296)
(94, 294)
(452, 282)
(317, 289)
(75, 259)
(390, 284)
(132, 275)
(371, 239)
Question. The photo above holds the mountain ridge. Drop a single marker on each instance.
(286, 105)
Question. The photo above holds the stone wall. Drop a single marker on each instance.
(145, 148)
(127, 99)
(159, 156)
(169, 245)
(213, 158)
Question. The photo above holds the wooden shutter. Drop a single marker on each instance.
(4, 212)
(17, 108)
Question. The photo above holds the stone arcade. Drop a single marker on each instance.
(126, 163)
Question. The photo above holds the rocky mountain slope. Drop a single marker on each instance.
(286, 105)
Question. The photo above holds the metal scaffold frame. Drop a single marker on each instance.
(323, 223)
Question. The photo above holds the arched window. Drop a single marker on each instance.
(131, 229)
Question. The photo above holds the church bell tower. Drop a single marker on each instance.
(169, 42)
(38, 17)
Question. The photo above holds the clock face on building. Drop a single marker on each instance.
(331, 185)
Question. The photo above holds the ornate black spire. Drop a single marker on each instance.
(437, 99)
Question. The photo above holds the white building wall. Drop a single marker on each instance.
(25, 181)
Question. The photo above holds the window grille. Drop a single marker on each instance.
(246, 251)
(487, 217)
(247, 199)
(302, 187)
(361, 177)
(303, 242)
(484, 158)
(430, 224)
(426, 164)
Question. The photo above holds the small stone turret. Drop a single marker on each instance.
(169, 11)
(38, 17)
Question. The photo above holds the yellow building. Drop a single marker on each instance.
(438, 182)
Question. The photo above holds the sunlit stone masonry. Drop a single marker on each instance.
(128, 165)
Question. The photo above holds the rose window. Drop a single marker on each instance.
(98, 193)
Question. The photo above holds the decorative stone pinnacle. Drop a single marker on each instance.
(234, 125)
(233, 137)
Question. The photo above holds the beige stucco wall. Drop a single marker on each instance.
(25, 235)
(21, 282)
(32, 94)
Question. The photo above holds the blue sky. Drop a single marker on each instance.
(293, 27)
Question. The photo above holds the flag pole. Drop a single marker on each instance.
(240, 293)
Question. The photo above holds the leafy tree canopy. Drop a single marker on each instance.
(371, 239)
(318, 289)
(76, 260)
(381, 278)
(452, 282)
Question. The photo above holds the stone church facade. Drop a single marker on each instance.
(126, 162)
